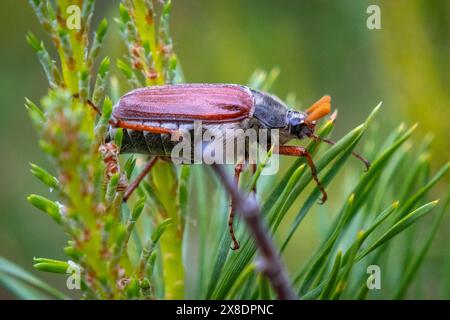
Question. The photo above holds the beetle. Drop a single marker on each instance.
(151, 115)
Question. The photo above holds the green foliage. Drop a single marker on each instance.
(23, 284)
(144, 249)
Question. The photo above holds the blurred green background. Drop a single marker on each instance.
(321, 47)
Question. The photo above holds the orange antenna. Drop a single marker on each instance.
(319, 109)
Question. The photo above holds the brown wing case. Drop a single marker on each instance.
(186, 102)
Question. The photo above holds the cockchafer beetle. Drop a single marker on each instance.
(151, 115)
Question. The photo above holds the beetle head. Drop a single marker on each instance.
(298, 126)
(303, 124)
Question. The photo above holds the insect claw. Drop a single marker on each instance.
(324, 195)
(235, 246)
(323, 200)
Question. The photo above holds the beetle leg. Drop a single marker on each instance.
(90, 103)
(237, 173)
(297, 151)
(355, 154)
(143, 127)
(133, 186)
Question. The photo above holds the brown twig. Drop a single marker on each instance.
(249, 209)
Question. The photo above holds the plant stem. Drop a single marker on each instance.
(270, 264)
(165, 185)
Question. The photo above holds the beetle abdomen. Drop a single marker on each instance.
(187, 102)
(157, 144)
(153, 144)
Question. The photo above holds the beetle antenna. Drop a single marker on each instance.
(319, 109)
(355, 154)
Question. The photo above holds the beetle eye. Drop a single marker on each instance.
(294, 122)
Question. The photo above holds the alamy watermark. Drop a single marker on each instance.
(373, 21)
(74, 280)
(374, 280)
(226, 145)
(73, 21)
